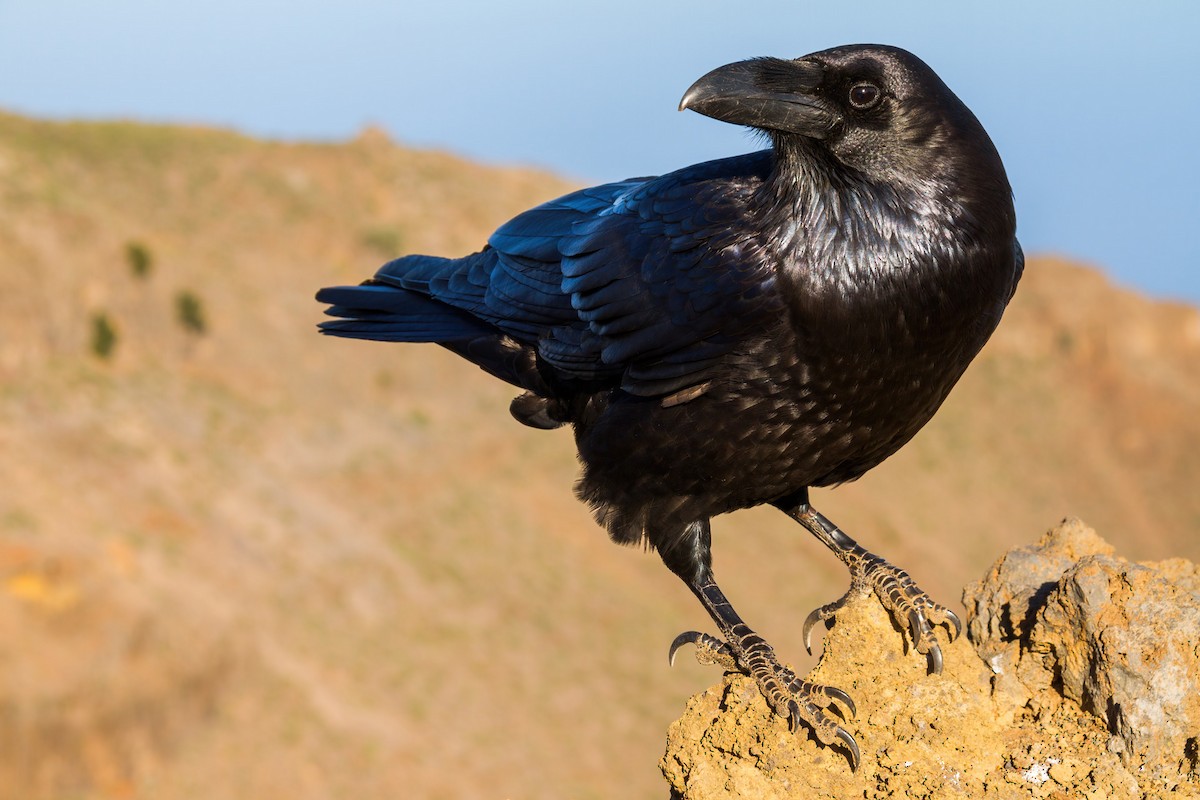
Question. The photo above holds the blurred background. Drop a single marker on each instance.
(1088, 102)
(238, 560)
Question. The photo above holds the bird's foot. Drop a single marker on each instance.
(904, 600)
(791, 697)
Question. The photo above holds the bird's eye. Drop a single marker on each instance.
(864, 95)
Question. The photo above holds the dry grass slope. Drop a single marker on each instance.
(248, 562)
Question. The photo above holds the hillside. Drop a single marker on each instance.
(243, 561)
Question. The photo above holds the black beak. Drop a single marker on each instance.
(771, 94)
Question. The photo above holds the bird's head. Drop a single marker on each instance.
(878, 110)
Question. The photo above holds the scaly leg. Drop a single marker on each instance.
(898, 593)
(791, 697)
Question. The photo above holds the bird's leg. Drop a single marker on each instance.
(793, 698)
(899, 594)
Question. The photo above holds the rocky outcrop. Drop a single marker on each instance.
(1078, 678)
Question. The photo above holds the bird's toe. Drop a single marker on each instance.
(709, 649)
(798, 701)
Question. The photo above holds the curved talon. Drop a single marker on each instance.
(809, 622)
(687, 637)
(935, 658)
(793, 716)
(957, 624)
(843, 698)
(852, 746)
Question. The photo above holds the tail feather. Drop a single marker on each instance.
(390, 314)
(445, 301)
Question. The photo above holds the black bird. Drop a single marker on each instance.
(737, 331)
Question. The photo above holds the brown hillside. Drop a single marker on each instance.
(248, 562)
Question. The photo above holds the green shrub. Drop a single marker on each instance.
(141, 263)
(104, 336)
(189, 310)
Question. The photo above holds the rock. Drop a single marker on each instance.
(1121, 640)
(1084, 685)
(1002, 608)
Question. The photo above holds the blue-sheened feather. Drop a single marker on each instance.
(639, 282)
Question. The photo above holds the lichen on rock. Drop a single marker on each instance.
(1077, 679)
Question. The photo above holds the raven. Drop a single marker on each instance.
(735, 332)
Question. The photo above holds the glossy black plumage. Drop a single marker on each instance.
(734, 332)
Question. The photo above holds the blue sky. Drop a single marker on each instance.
(1093, 105)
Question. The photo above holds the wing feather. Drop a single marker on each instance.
(648, 283)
